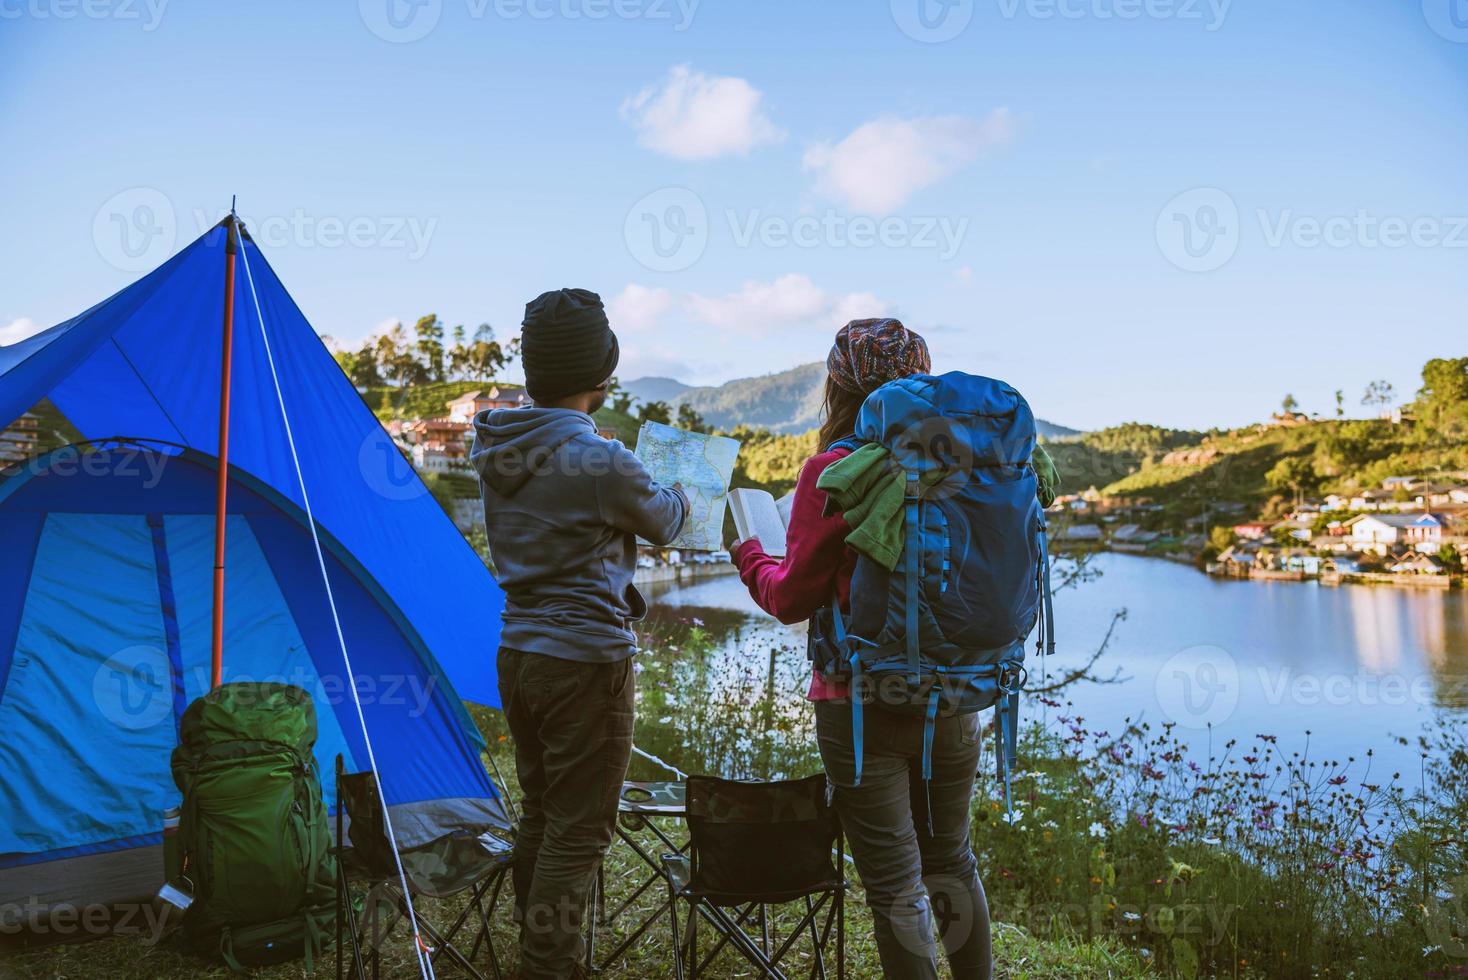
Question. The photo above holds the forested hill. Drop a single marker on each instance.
(785, 402)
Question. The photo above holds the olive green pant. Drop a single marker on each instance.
(572, 726)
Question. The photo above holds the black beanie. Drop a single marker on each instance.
(566, 345)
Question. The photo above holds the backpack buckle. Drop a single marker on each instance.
(1012, 678)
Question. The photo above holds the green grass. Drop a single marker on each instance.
(624, 425)
(422, 401)
(1017, 953)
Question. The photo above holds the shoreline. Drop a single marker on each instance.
(681, 574)
(1437, 583)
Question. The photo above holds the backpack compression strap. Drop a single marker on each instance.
(1006, 712)
(839, 627)
(911, 498)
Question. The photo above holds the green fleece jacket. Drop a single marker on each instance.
(869, 495)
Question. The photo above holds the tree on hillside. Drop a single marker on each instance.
(360, 366)
(1351, 445)
(483, 357)
(1221, 538)
(619, 399)
(1290, 405)
(655, 412)
(689, 419)
(1442, 402)
(396, 360)
(1379, 394)
(428, 346)
(1340, 403)
(1293, 473)
(1450, 559)
(455, 356)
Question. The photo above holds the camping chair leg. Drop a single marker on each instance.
(726, 938)
(673, 919)
(484, 937)
(359, 967)
(841, 907)
(693, 943)
(494, 897)
(731, 933)
(819, 969)
(807, 920)
(764, 931)
(833, 915)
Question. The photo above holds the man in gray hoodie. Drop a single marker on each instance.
(563, 509)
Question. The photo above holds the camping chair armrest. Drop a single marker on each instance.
(679, 870)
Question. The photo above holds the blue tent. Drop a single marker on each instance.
(105, 589)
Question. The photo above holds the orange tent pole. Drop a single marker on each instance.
(222, 487)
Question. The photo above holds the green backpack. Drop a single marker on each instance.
(253, 840)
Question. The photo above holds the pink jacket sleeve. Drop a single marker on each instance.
(817, 562)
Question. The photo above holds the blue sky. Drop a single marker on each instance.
(1168, 210)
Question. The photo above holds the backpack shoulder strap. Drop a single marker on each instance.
(849, 443)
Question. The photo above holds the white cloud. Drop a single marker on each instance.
(693, 116)
(638, 308)
(17, 330)
(642, 361)
(883, 162)
(788, 300)
(857, 306)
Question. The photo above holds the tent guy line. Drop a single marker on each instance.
(425, 963)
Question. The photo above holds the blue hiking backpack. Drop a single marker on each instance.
(945, 630)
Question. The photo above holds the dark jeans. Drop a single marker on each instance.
(911, 878)
(572, 726)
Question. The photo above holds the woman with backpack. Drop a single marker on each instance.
(909, 837)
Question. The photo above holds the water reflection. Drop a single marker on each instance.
(722, 691)
(722, 685)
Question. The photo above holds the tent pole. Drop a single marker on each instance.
(222, 487)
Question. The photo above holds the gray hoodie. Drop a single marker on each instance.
(563, 508)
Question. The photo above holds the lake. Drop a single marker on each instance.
(1335, 671)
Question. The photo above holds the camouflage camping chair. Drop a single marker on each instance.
(755, 845)
(474, 866)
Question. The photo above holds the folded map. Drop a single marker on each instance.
(703, 465)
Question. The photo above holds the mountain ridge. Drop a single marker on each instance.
(785, 402)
